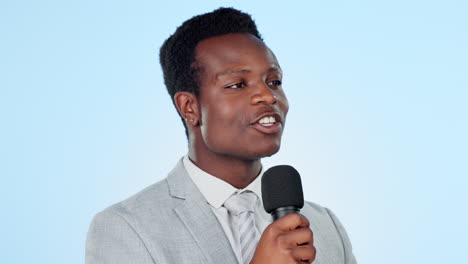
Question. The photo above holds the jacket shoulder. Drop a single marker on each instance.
(153, 200)
(116, 233)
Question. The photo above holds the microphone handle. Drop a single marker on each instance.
(282, 211)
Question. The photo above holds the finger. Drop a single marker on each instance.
(291, 222)
(304, 221)
(304, 254)
(298, 237)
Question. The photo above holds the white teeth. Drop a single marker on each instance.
(267, 120)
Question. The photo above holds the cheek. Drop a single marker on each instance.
(215, 121)
(286, 108)
(222, 124)
(284, 104)
(221, 113)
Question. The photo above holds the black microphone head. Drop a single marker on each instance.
(281, 187)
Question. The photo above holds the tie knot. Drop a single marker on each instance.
(240, 203)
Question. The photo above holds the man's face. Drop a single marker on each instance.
(242, 104)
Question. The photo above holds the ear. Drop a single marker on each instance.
(187, 105)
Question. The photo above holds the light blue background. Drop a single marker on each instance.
(377, 125)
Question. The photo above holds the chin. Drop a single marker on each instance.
(264, 152)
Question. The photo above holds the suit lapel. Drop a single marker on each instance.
(198, 217)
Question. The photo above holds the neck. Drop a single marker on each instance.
(235, 171)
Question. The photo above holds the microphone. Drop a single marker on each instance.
(282, 191)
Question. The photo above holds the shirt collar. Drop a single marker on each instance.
(215, 190)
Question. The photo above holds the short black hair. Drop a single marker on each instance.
(177, 54)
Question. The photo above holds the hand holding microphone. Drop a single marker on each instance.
(288, 239)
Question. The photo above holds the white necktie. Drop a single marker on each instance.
(241, 207)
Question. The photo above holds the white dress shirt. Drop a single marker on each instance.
(217, 191)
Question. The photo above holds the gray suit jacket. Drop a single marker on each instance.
(171, 222)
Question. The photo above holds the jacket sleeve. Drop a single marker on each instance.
(111, 239)
(348, 249)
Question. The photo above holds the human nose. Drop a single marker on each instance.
(264, 94)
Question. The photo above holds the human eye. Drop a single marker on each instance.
(236, 85)
(275, 83)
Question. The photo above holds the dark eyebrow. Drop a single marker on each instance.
(275, 69)
(230, 71)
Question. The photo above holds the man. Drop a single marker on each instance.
(226, 85)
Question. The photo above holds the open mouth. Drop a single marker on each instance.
(269, 124)
(267, 121)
